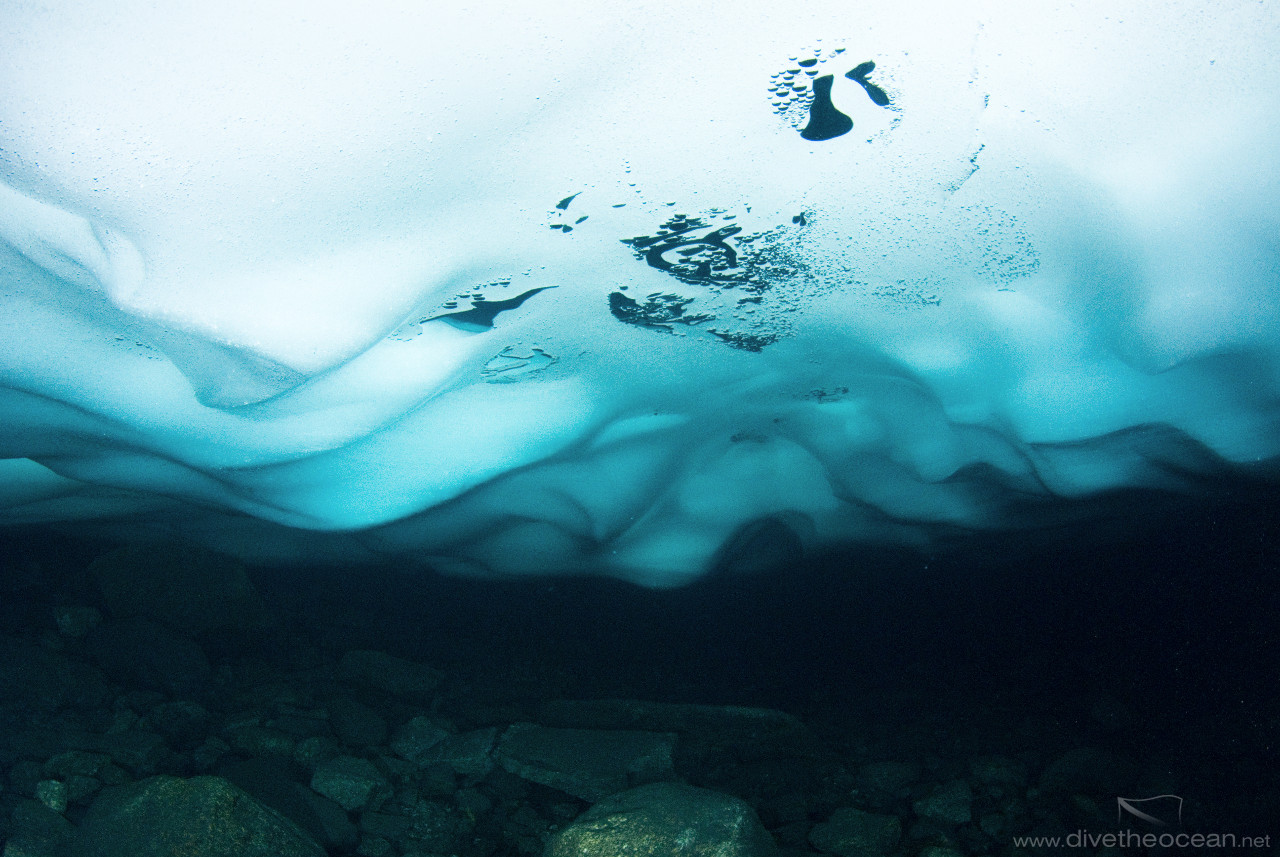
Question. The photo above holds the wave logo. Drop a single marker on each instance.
(1161, 810)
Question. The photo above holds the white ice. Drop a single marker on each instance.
(1048, 268)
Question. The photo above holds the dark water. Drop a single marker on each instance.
(1152, 630)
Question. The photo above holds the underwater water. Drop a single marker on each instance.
(912, 371)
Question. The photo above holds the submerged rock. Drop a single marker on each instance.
(854, 833)
(36, 679)
(415, 738)
(37, 831)
(352, 783)
(396, 676)
(949, 803)
(144, 653)
(662, 819)
(202, 817)
(1087, 770)
(186, 588)
(882, 784)
(469, 754)
(586, 763)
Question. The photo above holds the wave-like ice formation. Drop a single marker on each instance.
(627, 288)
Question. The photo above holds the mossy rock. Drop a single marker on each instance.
(168, 816)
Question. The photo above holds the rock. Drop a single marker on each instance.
(469, 754)
(1000, 774)
(207, 754)
(37, 831)
(707, 732)
(887, 781)
(36, 679)
(1088, 771)
(76, 620)
(758, 723)
(144, 653)
(375, 846)
(356, 724)
(354, 784)
(207, 816)
(53, 794)
(586, 763)
(139, 750)
(415, 738)
(406, 679)
(663, 819)
(255, 740)
(939, 851)
(427, 827)
(187, 589)
(183, 723)
(270, 783)
(74, 763)
(310, 752)
(949, 803)
(854, 833)
(81, 789)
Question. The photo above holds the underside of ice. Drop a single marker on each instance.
(573, 288)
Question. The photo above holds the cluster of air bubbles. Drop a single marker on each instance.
(909, 294)
(791, 89)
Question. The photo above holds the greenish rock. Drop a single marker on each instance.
(706, 732)
(853, 833)
(999, 773)
(166, 816)
(53, 794)
(76, 620)
(663, 819)
(586, 763)
(270, 783)
(412, 740)
(33, 678)
(377, 670)
(189, 589)
(81, 789)
(76, 763)
(427, 826)
(139, 750)
(939, 851)
(255, 740)
(144, 653)
(183, 723)
(355, 723)
(758, 723)
(887, 779)
(310, 752)
(1090, 771)
(469, 754)
(37, 831)
(375, 846)
(949, 803)
(352, 783)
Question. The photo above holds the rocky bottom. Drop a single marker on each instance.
(155, 702)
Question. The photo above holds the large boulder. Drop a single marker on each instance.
(33, 678)
(853, 833)
(167, 816)
(408, 680)
(587, 763)
(662, 819)
(190, 590)
(148, 654)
